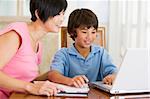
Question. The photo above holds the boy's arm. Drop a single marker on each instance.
(42, 77)
(57, 77)
(77, 81)
(109, 69)
(109, 79)
(108, 66)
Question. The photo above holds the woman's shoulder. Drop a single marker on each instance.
(18, 25)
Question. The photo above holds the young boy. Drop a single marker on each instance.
(83, 61)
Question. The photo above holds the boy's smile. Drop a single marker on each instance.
(85, 37)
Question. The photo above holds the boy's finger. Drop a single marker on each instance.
(75, 84)
(79, 83)
(85, 78)
(82, 80)
(105, 80)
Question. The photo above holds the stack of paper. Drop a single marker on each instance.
(73, 91)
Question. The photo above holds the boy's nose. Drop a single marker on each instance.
(89, 35)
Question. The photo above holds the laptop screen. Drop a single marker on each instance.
(133, 72)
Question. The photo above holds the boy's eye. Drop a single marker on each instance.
(83, 32)
(93, 32)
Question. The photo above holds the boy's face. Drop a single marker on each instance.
(85, 37)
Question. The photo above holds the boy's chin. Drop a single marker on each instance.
(87, 46)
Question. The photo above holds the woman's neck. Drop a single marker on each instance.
(36, 31)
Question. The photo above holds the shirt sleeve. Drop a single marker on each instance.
(59, 61)
(107, 65)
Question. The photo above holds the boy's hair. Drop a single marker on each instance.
(46, 8)
(81, 18)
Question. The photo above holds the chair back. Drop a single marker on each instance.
(66, 40)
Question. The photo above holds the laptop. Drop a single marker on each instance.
(133, 75)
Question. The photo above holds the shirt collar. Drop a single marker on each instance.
(94, 49)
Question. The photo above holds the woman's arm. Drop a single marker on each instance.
(9, 44)
(57, 77)
(38, 88)
(12, 84)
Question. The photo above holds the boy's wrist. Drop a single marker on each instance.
(69, 81)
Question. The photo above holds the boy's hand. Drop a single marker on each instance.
(109, 79)
(79, 81)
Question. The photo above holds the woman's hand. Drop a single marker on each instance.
(42, 88)
(79, 81)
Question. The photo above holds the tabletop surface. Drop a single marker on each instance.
(93, 94)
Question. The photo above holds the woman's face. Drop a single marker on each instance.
(85, 37)
(53, 24)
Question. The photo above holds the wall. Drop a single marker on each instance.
(99, 7)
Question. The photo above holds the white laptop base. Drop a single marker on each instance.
(132, 76)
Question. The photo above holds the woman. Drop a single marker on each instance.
(20, 51)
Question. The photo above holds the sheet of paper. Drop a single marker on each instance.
(72, 94)
(69, 89)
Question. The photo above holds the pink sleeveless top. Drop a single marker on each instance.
(24, 64)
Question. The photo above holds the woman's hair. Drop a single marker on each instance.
(46, 8)
(81, 18)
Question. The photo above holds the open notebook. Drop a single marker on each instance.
(73, 91)
(132, 77)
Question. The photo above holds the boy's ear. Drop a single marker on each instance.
(71, 34)
(74, 34)
(96, 35)
(36, 14)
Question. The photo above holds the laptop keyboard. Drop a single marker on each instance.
(107, 86)
(99, 83)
